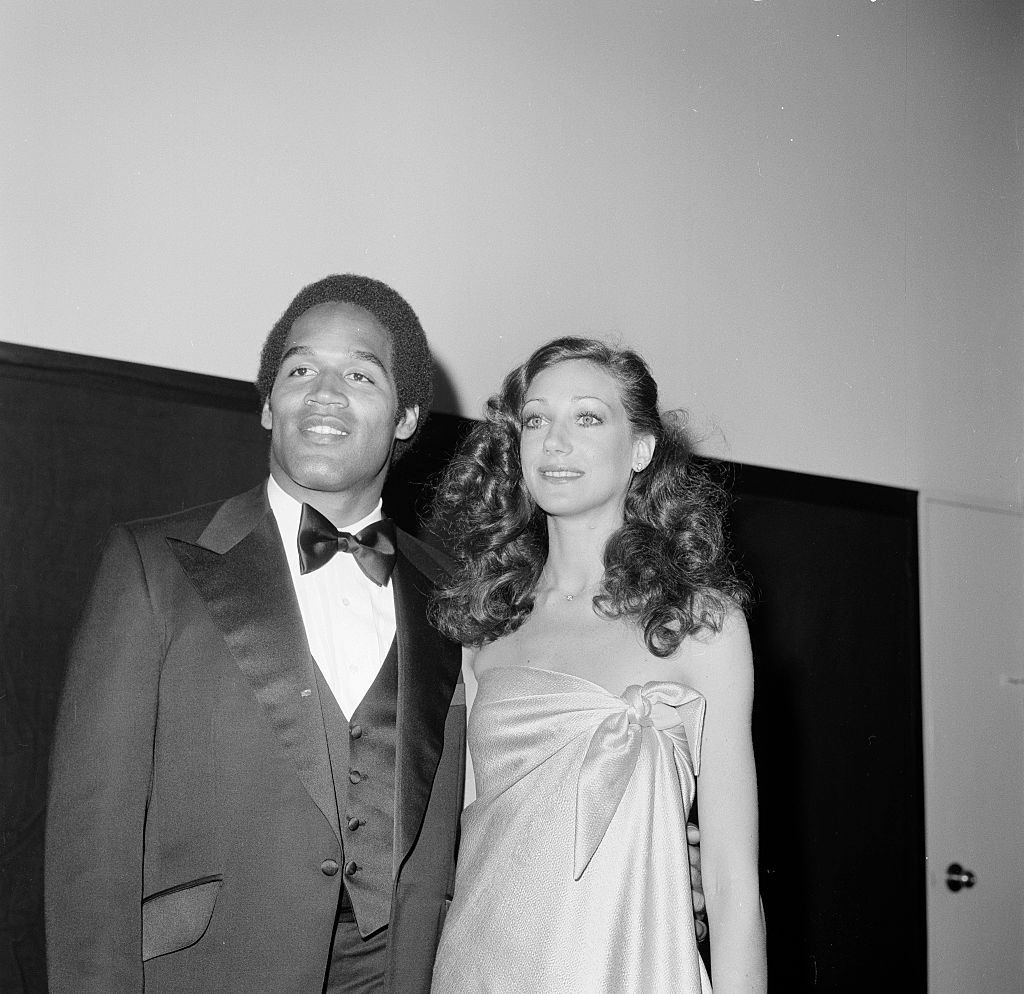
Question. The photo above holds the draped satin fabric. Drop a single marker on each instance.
(573, 873)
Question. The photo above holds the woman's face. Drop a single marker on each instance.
(577, 447)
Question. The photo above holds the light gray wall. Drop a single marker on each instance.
(808, 214)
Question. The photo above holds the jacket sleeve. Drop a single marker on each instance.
(100, 772)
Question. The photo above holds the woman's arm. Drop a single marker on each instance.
(469, 680)
(721, 668)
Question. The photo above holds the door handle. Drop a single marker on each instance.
(957, 877)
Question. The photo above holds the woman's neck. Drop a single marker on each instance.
(575, 554)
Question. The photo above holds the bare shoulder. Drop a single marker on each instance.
(716, 662)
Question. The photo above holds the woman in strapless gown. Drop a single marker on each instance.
(612, 682)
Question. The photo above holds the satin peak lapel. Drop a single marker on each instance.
(428, 669)
(249, 594)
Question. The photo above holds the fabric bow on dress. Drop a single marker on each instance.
(614, 750)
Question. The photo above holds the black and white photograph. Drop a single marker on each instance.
(512, 498)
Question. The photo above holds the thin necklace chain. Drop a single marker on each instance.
(572, 596)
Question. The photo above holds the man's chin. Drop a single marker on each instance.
(329, 479)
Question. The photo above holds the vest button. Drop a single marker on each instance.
(354, 776)
(328, 867)
(351, 868)
(356, 731)
(353, 824)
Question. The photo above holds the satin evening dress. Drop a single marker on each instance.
(573, 875)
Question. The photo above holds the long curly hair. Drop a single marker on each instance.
(666, 568)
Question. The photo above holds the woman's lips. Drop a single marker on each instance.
(559, 474)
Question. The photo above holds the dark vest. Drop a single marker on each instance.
(362, 755)
(404, 855)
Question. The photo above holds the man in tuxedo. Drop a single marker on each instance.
(258, 766)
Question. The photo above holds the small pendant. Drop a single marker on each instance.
(569, 597)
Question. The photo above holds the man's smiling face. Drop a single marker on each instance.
(333, 410)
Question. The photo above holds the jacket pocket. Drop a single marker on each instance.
(178, 917)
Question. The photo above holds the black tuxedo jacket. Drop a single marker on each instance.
(192, 833)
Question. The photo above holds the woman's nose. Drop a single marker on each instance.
(556, 439)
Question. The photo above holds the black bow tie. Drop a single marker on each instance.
(373, 548)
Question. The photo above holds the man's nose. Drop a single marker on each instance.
(328, 388)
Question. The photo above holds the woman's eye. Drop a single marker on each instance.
(533, 421)
(586, 419)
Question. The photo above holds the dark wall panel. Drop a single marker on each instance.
(86, 442)
(837, 729)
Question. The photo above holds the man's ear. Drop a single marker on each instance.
(406, 426)
(267, 418)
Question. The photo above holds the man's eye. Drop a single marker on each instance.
(301, 371)
(359, 377)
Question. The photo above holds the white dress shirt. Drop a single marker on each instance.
(349, 620)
